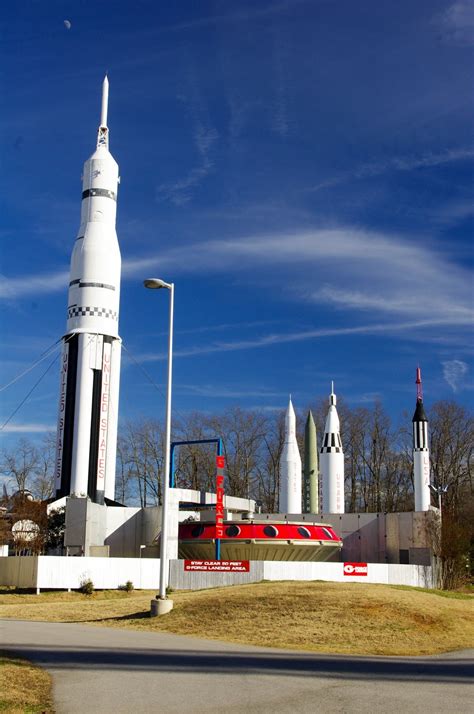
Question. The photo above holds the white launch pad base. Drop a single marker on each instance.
(63, 573)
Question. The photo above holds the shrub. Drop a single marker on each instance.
(86, 586)
(128, 586)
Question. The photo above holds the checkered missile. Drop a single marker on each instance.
(331, 462)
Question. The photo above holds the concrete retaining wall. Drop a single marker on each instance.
(20, 572)
(414, 575)
(183, 580)
(59, 572)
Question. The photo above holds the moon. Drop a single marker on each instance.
(67, 24)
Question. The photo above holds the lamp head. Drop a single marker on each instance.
(156, 283)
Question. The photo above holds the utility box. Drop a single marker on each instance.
(99, 551)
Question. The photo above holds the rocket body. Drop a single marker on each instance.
(90, 364)
(311, 470)
(290, 467)
(421, 453)
(331, 463)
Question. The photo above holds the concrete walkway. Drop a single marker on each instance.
(104, 670)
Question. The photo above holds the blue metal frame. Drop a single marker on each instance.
(174, 444)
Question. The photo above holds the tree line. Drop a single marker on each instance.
(378, 456)
(378, 469)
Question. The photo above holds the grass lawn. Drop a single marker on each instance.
(24, 688)
(351, 618)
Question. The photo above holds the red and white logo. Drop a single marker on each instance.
(356, 569)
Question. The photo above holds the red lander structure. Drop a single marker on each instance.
(250, 539)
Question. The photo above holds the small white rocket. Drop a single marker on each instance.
(421, 453)
(331, 462)
(290, 467)
(90, 363)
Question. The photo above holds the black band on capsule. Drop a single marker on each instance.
(102, 192)
(91, 285)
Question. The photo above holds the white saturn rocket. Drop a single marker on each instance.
(90, 362)
(421, 453)
(290, 467)
(331, 462)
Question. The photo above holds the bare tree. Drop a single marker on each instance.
(242, 433)
(142, 459)
(42, 483)
(195, 465)
(377, 442)
(354, 428)
(123, 478)
(452, 450)
(452, 444)
(20, 464)
(268, 467)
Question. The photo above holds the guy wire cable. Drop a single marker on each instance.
(35, 385)
(29, 393)
(44, 355)
(150, 379)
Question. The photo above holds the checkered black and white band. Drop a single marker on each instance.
(92, 312)
(330, 450)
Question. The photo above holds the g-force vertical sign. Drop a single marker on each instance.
(220, 464)
(104, 416)
(58, 465)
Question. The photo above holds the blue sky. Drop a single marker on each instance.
(302, 170)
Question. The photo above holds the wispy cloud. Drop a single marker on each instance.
(11, 288)
(204, 136)
(387, 274)
(454, 373)
(281, 338)
(454, 212)
(393, 299)
(227, 326)
(223, 392)
(267, 409)
(256, 12)
(457, 23)
(357, 271)
(402, 163)
(365, 398)
(281, 63)
(179, 192)
(28, 428)
(220, 327)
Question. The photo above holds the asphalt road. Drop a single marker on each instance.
(102, 670)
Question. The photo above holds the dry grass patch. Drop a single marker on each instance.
(60, 606)
(24, 688)
(342, 618)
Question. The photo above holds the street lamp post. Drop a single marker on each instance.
(161, 604)
(439, 491)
